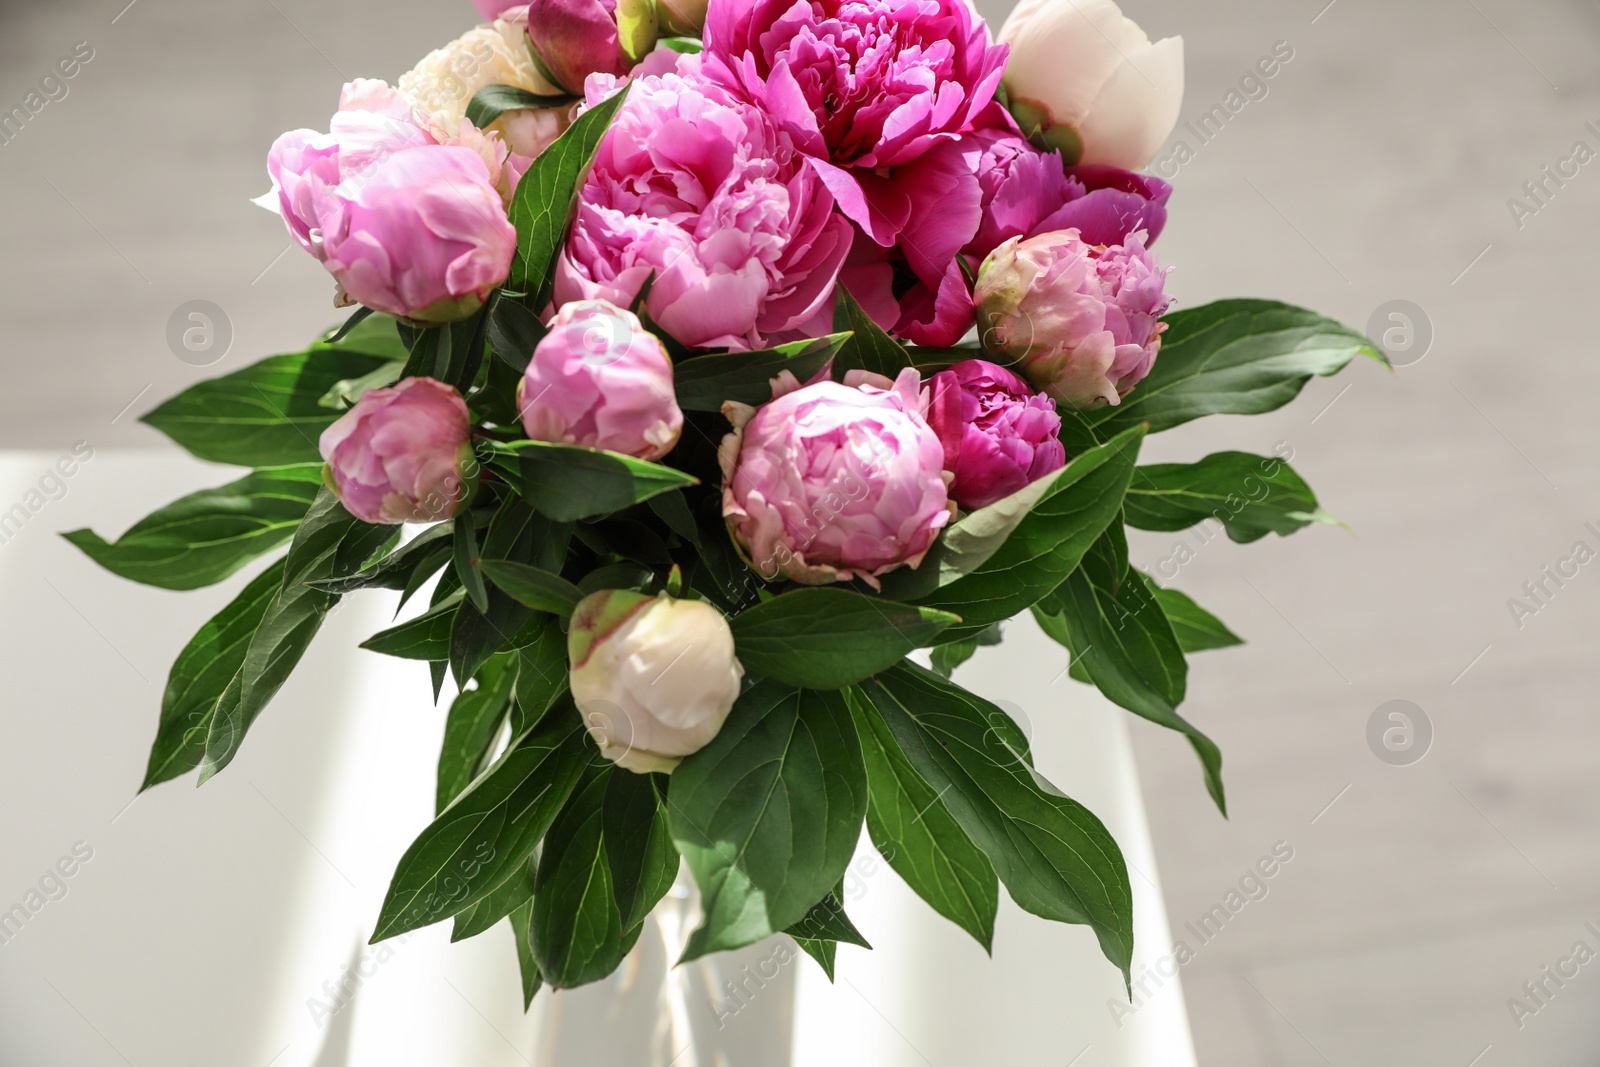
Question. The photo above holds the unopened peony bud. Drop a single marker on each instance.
(1086, 80)
(653, 677)
(998, 434)
(1081, 322)
(402, 454)
(600, 379)
(831, 482)
(572, 39)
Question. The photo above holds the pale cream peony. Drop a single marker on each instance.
(495, 53)
(1086, 80)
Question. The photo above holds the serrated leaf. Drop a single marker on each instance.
(1056, 859)
(1234, 357)
(541, 209)
(570, 483)
(823, 638)
(704, 383)
(1196, 628)
(488, 831)
(769, 813)
(914, 831)
(200, 539)
(206, 673)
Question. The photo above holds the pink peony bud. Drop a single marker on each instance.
(572, 39)
(600, 379)
(402, 454)
(831, 482)
(998, 434)
(653, 677)
(1082, 321)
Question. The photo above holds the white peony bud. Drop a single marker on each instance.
(653, 677)
(1084, 79)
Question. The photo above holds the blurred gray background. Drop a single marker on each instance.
(1379, 166)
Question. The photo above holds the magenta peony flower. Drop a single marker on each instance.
(600, 379)
(859, 84)
(830, 482)
(1082, 321)
(699, 189)
(998, 434)
(402, 454)
(406, 224)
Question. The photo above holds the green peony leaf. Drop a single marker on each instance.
(492, 101)
(1234, 357)
(538, 589)
(270, 413)
(1057, 860)
(869, 347)
(1123, 642)
(912, 827)
(824, 638)
(1251, 496)
(504, 901)
(205, 674)
(489, 831)
(330, 543)
(471, 728)
(426, 637)
(542, 208)
(1002, 559)
(769, 813)
(1196, 629)
(570, 483)
(204, 537)
(703, 383)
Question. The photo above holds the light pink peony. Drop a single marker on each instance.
(859, 84)
(402, 454)
(407, 225)
(830, 482)
(494, 9)
(699, 189)
(1082, 321)
(998, 434)
(601, 380)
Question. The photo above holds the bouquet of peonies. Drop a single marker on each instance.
(660, 374)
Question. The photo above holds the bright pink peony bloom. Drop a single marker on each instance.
(998, 434)
(830, 482)
(859, 84)
(1082, 321)
(402, 454)
(600, 379)
(406, 224)
(699, 189)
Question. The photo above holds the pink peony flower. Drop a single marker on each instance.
(600, 379)
(1082, 321)
(830, 482)
(402, 454)
(407, 225)
(998, 434)
(859, 84)
(700, 190)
